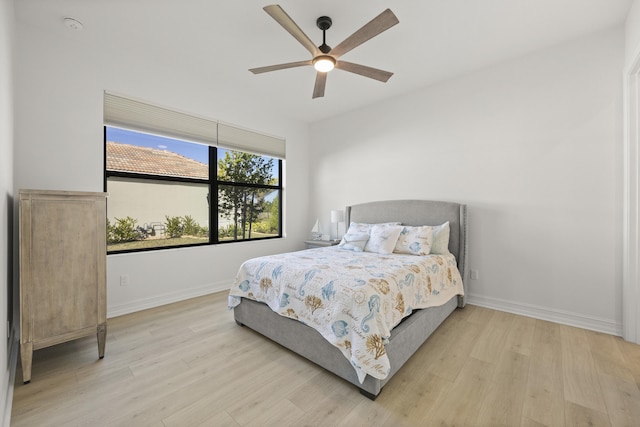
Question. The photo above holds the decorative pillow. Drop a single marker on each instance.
(364, 228)
(359, 228)
(440, 244)
(354, 242)
(383, 238)
(415, 240)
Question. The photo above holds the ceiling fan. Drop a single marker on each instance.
(324, 57)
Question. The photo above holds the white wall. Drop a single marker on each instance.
(631, 281)
(632, 32)
(60, 79)
(6, 201)
(532, 146)
(151, 202)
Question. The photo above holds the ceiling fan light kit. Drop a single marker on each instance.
(324, 63)
(325, 58)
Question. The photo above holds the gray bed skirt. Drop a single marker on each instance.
(405, 339)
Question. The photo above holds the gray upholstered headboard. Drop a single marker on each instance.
(419, 212)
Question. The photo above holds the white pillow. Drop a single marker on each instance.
(383, 238)
(359, 228)
(415, 240)
(354, 242)
(363, 228)
(440, 244)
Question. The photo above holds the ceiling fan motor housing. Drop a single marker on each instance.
(324, 23)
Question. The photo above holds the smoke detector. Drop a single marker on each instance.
(73, 23)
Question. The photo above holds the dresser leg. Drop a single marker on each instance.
(102, 338)
(26, 355)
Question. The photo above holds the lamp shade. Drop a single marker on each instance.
(337, 216)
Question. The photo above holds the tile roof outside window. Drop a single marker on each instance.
(144, 160)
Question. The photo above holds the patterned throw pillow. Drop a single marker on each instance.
(359, 228)
(354, 242)
(415, 240)
(440, 244)
(363, 228)
(383, 238)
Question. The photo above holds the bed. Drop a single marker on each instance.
(414, 325)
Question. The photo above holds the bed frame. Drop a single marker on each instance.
(405, 338)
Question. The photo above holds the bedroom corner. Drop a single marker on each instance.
(8, 351)
(631, 279)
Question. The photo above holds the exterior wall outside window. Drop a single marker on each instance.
(150, 201)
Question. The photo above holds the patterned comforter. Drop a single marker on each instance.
(353, 299)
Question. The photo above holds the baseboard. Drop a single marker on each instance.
(159, 300)
(552, 315)
(13, 366)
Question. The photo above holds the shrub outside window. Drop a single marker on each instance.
(165, 192)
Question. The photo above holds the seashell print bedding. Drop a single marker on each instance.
(353, 299)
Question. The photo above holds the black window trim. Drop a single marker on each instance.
(213, 189)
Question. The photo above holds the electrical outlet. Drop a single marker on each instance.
(475, 275)
(124, 280)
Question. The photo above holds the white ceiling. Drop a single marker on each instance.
(221, 39)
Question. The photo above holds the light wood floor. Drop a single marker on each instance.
(189, 364)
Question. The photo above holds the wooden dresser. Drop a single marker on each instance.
(62, 270)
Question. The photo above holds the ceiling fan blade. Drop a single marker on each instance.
(321, 82)
(277, 13)
(380, 23)
(363, 70)
(280, 67)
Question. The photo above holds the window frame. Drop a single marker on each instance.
(213, 184)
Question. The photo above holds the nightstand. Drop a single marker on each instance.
(320, 243)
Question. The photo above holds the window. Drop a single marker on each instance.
(175, 179)
(160, 193)
(248, 196)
